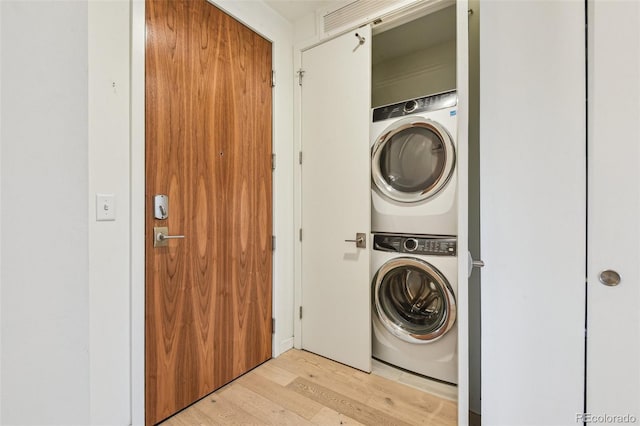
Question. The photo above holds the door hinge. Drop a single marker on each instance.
(273, 242)
(300, 75)
(300, 157)
(273, 161)
(273, 78)
(300, 235)
(300, 313)
(273, 326)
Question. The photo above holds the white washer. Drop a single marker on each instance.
(413, 292)
(413, 158)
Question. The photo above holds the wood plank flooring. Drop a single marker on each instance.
(300, 388)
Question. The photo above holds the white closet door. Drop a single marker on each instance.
(533, 209)
(613, 313)
(336, 319)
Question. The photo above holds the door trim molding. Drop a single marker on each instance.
(138, 182)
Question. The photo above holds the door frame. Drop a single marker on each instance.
(462, 81)
(282, 207)
(462, 78)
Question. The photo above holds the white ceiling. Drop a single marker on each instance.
(294, 9)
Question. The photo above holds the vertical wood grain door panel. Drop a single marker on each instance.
(208, 148)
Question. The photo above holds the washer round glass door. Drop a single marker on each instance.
(412, 160)
(413, 300)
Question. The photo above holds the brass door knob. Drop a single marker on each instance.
(610, 278)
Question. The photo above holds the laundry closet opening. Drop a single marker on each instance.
(383, 235)
(414, 191)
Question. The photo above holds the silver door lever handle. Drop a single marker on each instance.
(162, 237)
(360, 240)
(473, 264)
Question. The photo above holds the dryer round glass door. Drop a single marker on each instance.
(413, 300)
(412, 160)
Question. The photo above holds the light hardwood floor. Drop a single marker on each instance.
(300, 388)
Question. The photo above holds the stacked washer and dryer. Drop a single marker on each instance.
(414, 227)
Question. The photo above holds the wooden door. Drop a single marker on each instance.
(208, 148)
(613, 311)
(335, 186)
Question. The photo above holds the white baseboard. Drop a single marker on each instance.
(284, 346)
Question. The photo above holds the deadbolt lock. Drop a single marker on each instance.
(160, 207)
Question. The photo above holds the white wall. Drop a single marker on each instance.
(44, 281)
(305, 30)
(109, 249)
(533, 180)
(0, 214)
(420, 73)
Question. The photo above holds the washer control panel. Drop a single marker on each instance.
(423, 245)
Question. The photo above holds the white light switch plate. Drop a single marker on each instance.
(105, 207)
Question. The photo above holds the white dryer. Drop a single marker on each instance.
(413, 159)
(413, 293)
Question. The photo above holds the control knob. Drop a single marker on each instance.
(410, 244)
(410, 106)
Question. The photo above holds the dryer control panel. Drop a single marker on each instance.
(416, 244)
(414, 106)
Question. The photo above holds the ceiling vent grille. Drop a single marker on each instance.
(354, 12)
